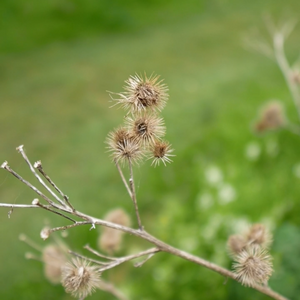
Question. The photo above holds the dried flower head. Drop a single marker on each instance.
(271, 117)
(236, 244)
(161, 152)
(79, 278)
(111, 239)
(53, 258)
(146, 128)
(143, 93)
(118, 216)
(253, 266)
(123, 147)
(259, 235)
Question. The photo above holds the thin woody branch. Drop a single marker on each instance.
(132, 188)
(278, 44)
(6, 167)
(21, 150)
(39, 166)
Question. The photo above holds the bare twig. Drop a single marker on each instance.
(19, 205)
(7, 168)
(54, 211)
(87, 247)
(132, 187)
(127, 258)
(139, 264)
(39, 166)
(98, 262)
(159, 245)
(123, 178)
(278, 43)
(32, 244)
(21, 150)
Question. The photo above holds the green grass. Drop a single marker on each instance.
(54, 101)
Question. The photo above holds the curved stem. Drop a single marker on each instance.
(133, 193)
(162, 246)
(283, 64)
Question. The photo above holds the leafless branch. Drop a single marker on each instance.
(39, 166)
(21, 150)
(132, 188)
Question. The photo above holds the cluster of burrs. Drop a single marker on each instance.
(142, 134)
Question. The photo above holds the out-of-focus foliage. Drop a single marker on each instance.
(58, 60)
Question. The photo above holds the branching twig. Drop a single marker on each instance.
(7, 168)
(39, 166)
(98, 262)
(87, 247)
(21, 150)
(159, 245)
(278, 43)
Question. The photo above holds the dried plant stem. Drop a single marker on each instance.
(163, 247)
(19, 205)
(21, 150)
(87, 247)
(278, 43)
(39, 166)
(159, 245)
(128, 258)
(7, 168)
(123, 179)
(132, 188)
(98, 262)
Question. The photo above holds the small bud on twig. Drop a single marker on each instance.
(35, 202)
(45, 233)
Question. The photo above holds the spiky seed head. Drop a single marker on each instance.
(160, 152)
(124, 147)
(79, 278)
(259, 235)
(146, 129)
(235, 244)
(271, 117)
(110, 240)
(253, 266)
(53, 258)
(143, 93)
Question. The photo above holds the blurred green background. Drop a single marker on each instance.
(58, 59)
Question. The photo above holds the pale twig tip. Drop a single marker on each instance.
(35, 202)
(37, 164)
(20, 148)
(4, 165)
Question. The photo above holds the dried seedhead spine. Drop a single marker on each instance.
(253, 264)
(142, 94)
